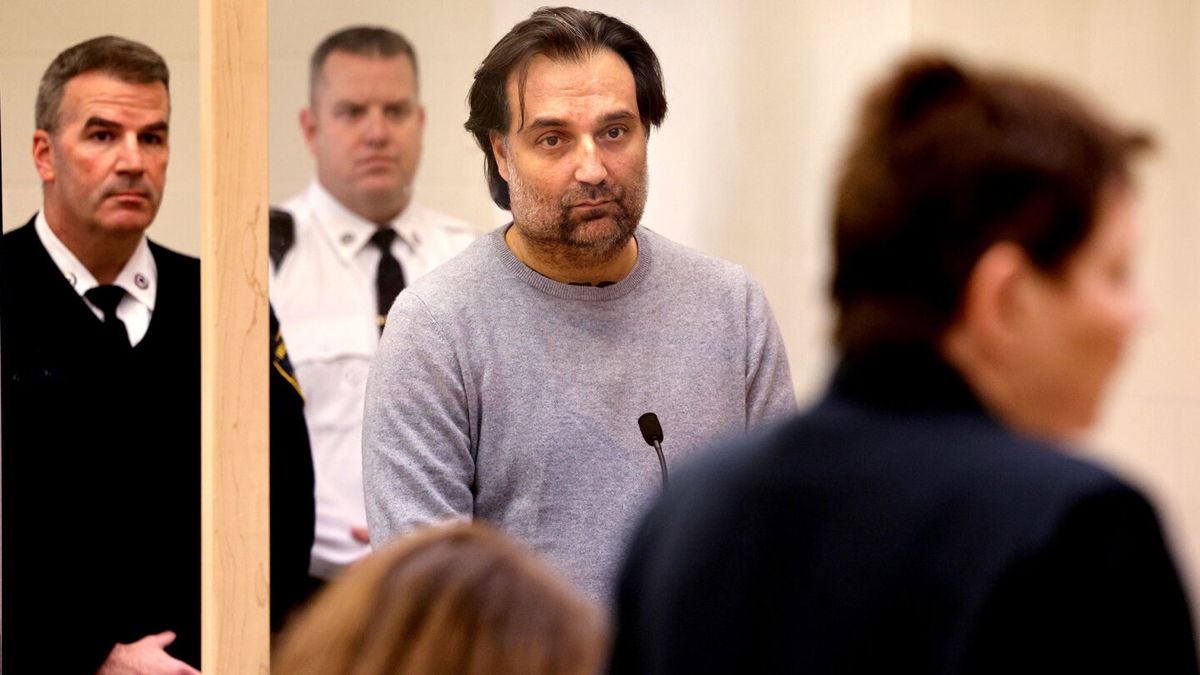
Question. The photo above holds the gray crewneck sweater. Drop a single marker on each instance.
(500, 394)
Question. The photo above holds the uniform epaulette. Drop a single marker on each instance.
(282, 235)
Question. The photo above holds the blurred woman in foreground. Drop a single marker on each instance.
(458, 599)
(924, 517)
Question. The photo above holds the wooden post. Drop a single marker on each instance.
(235, 619)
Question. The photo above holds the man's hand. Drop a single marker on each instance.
(147, 656)
(360, 534)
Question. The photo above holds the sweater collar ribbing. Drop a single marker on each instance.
(641, 269)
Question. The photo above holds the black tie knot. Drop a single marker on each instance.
(106, 298)
(383, 238)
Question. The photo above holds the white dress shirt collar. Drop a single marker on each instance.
(139, 276)
(349, 232)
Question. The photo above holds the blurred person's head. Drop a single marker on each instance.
(100, 146)
(364, 121)
(461, 599)
(989, 216)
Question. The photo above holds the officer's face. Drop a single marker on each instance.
(364, 130)
(105, 166)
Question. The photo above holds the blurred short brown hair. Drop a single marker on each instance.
(370, 41)
(460, 598)
(947, 161)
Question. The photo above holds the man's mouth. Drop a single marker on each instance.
(377, 161)
(130, 196)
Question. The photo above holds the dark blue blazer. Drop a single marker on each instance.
(897, 528)
(101, 467)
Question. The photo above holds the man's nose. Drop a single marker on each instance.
(129, 157)
(591, 169)
(375, 126)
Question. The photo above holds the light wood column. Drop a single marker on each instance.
(233, 255)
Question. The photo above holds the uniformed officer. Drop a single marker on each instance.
(343, 249)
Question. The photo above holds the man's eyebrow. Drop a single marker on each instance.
(547, 122)
(617, 116)
(95, 121)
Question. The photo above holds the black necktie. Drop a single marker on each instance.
(389, 280)
(107, 298)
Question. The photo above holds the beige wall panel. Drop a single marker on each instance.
(1141, 62)
(33, 32)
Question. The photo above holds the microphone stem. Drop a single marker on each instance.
(662, 462)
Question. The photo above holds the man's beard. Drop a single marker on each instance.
(584, 235)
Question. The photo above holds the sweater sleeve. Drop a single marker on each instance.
(418, 465)
(769, 392)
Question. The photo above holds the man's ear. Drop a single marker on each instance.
(499, 153)
(994, 303)
(308, 126)
(43, 155)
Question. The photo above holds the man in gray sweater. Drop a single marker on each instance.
(509, 382)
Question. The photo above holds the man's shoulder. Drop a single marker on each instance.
(292, 226)
(174, 262)
(296, 204)
(666, 248)
(24, 264)
(463, 279)
(178, 288)
(162, 255)
(19, 238)
(696, 268)
(922, 464)
(295, 213)
(966, 449)
(432, 219)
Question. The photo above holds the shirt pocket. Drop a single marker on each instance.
(332, 358)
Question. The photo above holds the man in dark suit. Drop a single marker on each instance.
(100, 363)
(101, 385)
(924, 517)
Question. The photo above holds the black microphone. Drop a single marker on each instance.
(652, 432)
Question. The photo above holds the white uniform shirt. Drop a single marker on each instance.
(139, 278)
(324, 296)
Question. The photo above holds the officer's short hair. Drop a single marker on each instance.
(123, 59)
(363, 41)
